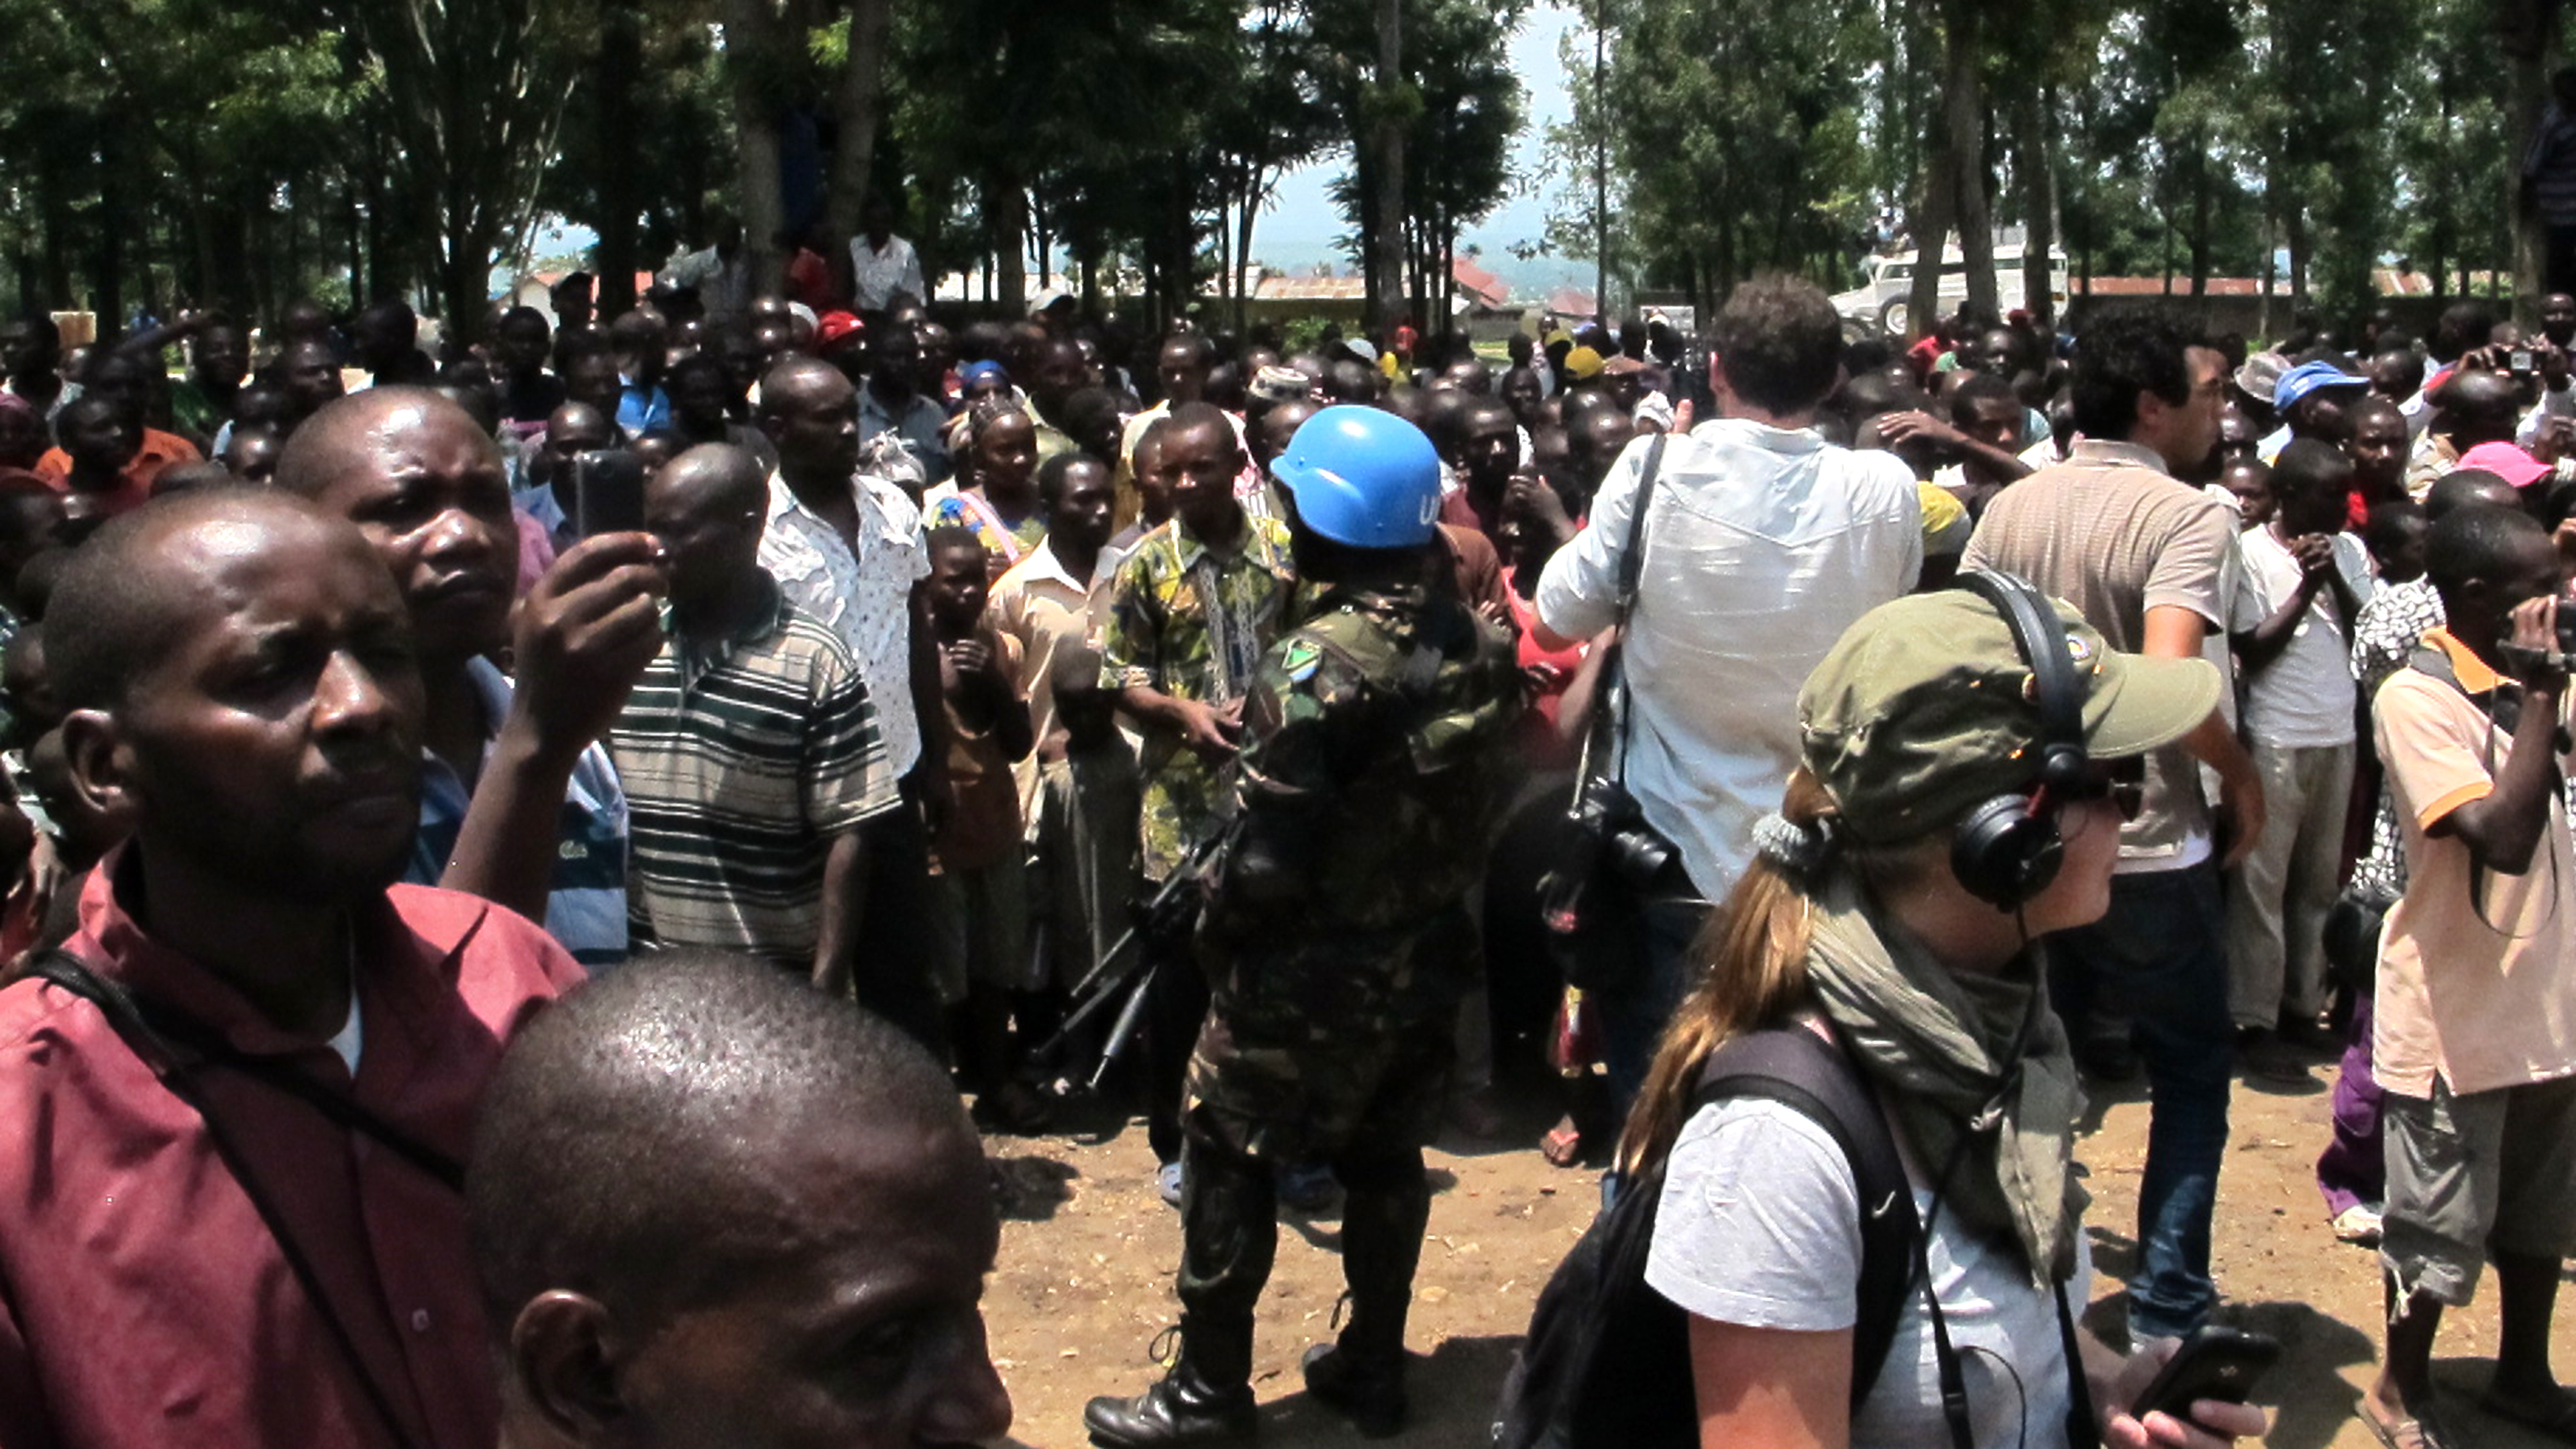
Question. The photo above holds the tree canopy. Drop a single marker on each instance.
(239, 153)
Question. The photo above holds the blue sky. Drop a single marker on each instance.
(1297, 229)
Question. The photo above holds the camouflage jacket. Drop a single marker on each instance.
(1376, 736)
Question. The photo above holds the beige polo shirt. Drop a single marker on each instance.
(2477, 988)
(2111, 533)
(1047, 611)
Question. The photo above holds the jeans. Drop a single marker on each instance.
(2159, 958)
(1633, 1017)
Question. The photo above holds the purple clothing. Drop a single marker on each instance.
(2352, 1169)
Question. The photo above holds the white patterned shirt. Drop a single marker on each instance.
(876, 276)
(866, 599)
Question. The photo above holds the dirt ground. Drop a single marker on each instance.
(1084, 1280)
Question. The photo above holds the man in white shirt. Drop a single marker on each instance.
(2311, 578)
(883, 266)
(848, 548)
(1762, 543)
(720, 275)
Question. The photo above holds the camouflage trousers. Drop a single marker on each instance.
(1230, 1237)
(1276, 1080)
(1313, 1044)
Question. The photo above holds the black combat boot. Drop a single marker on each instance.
(1369, 1393)
(1175, 1411)
(1190, 1405)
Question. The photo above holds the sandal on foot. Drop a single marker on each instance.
(2423, 1431)
(1563, 1145)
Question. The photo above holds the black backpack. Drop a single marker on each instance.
(1606, 1364)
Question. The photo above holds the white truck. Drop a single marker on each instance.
(1882, 305)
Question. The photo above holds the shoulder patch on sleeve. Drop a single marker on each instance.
(1299, 660)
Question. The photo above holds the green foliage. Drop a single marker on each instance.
(1304, 334)
(2178, 137)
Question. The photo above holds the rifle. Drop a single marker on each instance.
(1167, 911)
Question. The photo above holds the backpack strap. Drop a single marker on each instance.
(1817, 1079)
(152, 1045)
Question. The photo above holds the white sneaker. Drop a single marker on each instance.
(2358, 1224)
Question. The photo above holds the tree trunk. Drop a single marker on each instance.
(359, 296)
(2271, 278)
(1386, 144)
(1963, 104)
(2200, 208)
(854, 105)
(1244, 280)
(2294, 221)
(751, 46)
(621, 64)
(1601, 158)
(1006, 213)
(1931, 228)
(107, 275)
(2529, 30)
(2034, 177)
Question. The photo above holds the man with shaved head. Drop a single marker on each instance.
(749, 750)
(712, 1206)
(230, 1203)
(546, 494)
(2474, 406)
(848, 547)
(519, 804)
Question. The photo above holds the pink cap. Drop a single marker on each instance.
(2508, 462)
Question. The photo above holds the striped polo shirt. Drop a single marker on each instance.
(586, 898)
(742, 761)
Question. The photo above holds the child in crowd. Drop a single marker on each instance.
(2395, 536)
(1000, 505)
(979, 881)
(2311, 578)
(2247, 482)
(2473, 1042)
(1085, 845)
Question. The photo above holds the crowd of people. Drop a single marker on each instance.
(875, 709)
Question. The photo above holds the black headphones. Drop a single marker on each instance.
(2008, 849)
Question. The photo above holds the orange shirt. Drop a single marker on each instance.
(2475, 968)
(160, 450)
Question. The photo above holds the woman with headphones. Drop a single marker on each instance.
(1968, 756)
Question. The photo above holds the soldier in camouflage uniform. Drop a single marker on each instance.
(1337, 944)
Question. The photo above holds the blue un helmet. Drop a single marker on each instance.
(1363, 477)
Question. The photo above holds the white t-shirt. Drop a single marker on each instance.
(1759, 1225)
(351, 1038)
(2304, 698)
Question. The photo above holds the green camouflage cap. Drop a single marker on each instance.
(1924, 708)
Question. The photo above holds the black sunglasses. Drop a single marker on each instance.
(2123, 782)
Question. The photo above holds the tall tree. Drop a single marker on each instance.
(471, 93)
(1388, 108)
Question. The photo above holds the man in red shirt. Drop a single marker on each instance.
(229, 1203)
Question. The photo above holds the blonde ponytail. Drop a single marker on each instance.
(1752, 960)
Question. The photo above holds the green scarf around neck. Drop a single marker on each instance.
(1939, 1047)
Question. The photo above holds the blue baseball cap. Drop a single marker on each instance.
(2311, 377)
